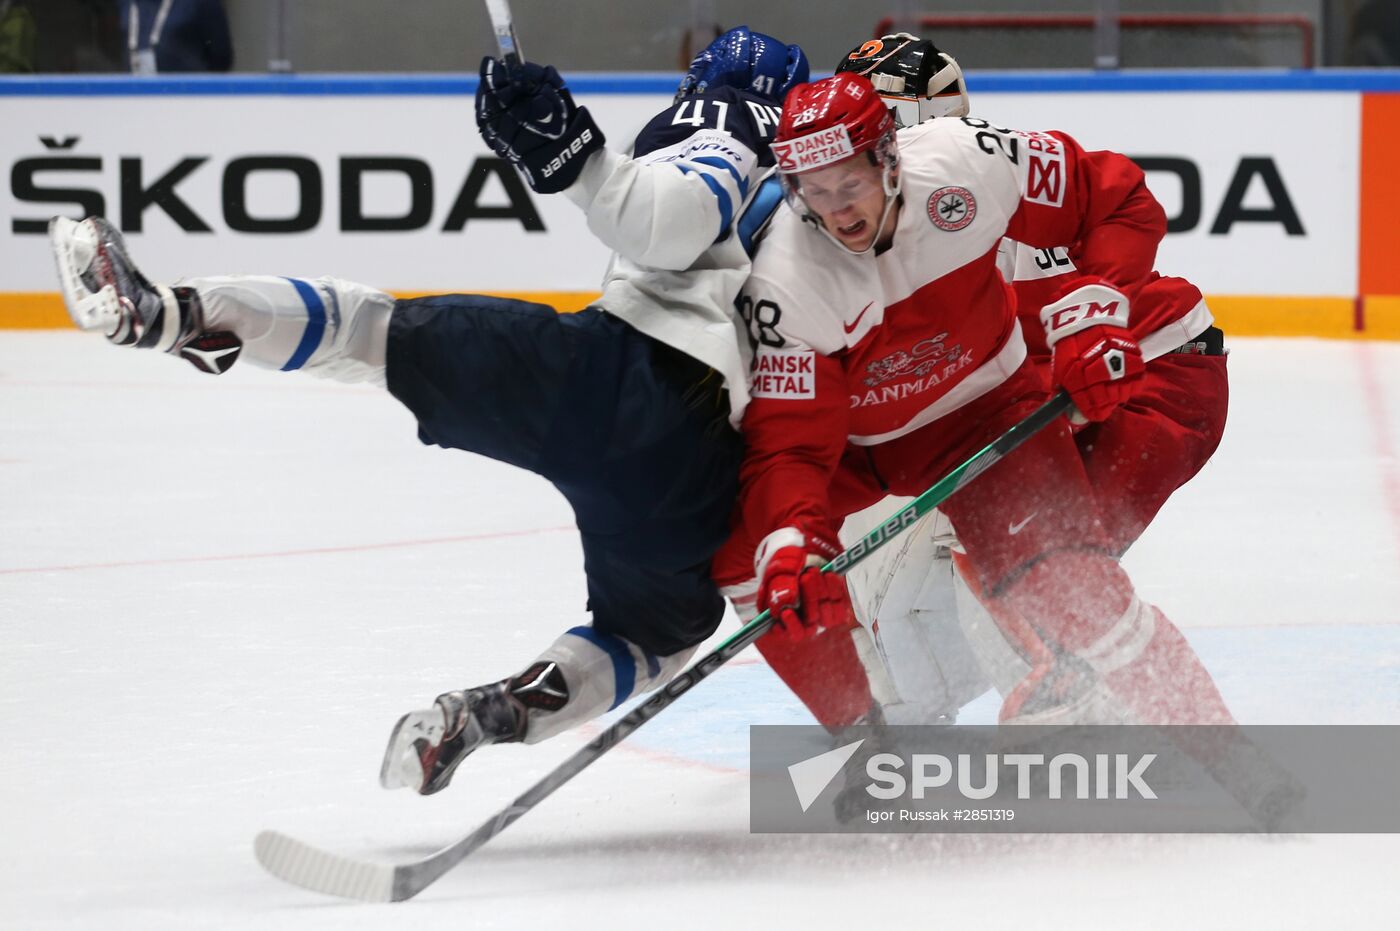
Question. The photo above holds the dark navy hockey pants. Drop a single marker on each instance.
(633, 433)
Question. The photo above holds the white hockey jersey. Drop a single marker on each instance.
(682, 213)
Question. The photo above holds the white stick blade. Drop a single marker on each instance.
(302, 865)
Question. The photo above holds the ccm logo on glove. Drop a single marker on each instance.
(1095, 357)
(1091, 305)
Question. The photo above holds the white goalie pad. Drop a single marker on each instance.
(995, 655)
(936, 647)
(1119, 646)
(922, 669)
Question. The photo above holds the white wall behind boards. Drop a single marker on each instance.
(397, 190)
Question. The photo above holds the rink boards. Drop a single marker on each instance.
(1281, 189)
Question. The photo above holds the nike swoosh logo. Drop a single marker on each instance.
(856, 322)
(546, 120)
(1014, 529)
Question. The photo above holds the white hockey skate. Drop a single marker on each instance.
(104, 291)
(426, 747)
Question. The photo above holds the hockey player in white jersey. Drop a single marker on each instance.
(627, 407)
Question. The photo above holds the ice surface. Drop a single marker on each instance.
(217, 595)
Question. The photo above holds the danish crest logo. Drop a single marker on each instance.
(952, 208)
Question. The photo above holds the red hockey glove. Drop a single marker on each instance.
(1098, 367)
(1095, 357)
(802, 599)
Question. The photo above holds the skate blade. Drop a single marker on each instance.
(402, 767)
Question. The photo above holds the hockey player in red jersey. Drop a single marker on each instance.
(1177, 412)
(889, 349)
(1150, 446)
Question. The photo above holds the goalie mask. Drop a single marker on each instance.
(747, 60)
(838, 160)
(914, 77)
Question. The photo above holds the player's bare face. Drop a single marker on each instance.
(849, 199)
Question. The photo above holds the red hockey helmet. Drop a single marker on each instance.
(828, 121)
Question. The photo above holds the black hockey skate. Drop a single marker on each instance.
(877, 736)
(426, 747)
(103, 290)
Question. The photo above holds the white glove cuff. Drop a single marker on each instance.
(778, 539)
(1091, 305)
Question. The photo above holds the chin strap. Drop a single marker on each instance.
(891, 189)
(891, 198)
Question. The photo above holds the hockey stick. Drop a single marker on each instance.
(504, 27)
(301, 864)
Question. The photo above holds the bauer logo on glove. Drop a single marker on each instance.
(576, 148)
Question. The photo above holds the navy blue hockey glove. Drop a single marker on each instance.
(526, 114)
